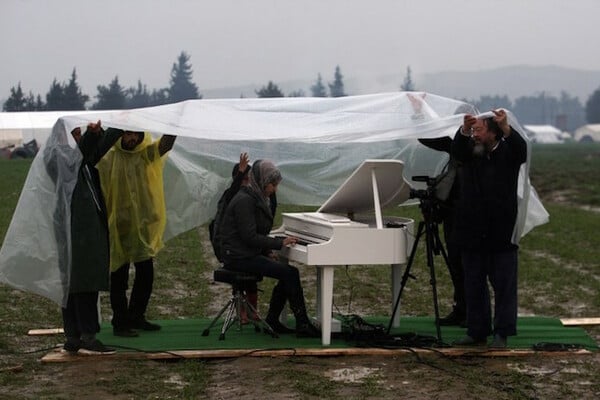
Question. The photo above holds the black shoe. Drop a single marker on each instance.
(95, 347)
(499, 342)
(72, 346)
(307, 330)
(124, 332)
(455, 318)
(146, 325)
(469, 341)
(278, 327)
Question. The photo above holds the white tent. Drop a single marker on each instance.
(10, 137)
(316, 142)
(21, 127)
(544, 133)
(588, 133)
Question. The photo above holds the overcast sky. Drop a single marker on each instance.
(251, 42)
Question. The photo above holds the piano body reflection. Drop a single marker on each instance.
(349, 229)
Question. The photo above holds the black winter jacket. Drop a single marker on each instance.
(246, 226)
(487, 205)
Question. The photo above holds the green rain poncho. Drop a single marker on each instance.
(132, 182)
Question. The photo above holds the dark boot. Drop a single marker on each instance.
(456, 317)
(243, 312)
(304, 328)
(276, 305)
(252, 298)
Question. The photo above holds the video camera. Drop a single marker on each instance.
(439, 187)
(424, 194)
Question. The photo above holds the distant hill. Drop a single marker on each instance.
(513, 81)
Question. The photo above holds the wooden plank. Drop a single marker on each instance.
(580, 321)
(49, 331)
(59, 356)
(14, 368)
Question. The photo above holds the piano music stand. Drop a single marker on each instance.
(429, 225)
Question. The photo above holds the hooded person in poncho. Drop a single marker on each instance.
(80, 218)
(132, 182)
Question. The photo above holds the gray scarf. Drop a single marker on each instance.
(262, 173)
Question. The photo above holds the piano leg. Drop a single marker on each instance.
(396, 283)
(326, 300)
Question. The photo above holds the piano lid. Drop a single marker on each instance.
(356, 194)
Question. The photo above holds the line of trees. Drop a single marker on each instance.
(566, 112)
(114, 96)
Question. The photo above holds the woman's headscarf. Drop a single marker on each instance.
(262, 173)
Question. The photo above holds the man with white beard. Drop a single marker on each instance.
(491, 152)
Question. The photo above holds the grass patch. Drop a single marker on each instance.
(558, 276)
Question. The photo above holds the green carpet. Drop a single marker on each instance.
(186, 334)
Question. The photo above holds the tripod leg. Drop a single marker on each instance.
(406, 274)
(206, 331)
(433, 239)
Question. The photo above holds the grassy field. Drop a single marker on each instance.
(559, 276)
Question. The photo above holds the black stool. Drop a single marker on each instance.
(239, 281)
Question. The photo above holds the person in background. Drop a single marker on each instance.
(491, 153)
(247, 247)
(458, 314)
(447, 189)
(89, 272)
(132, 182)
(240, 178)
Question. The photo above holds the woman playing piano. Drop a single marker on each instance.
(247, 247)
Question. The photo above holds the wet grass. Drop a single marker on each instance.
(559, 276)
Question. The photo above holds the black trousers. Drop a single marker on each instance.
(80, 317)
(125, 313)
(501, 270)
(287, 288)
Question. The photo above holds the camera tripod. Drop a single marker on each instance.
(434, 246)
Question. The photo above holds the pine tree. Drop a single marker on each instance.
(16, 101)
(138, 97)
(39, 104)
(182, 88)
(55, 97)
(159, 97)
(336, 89)
(73, 98)
(111, 97)
(297, 93)
(408, 84)
(271, 90)
(30, 102)
(592, 108)
(318, 89)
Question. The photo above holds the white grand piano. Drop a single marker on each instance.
(349, 229)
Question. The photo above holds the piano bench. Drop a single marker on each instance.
(239, 282)
(236, 279)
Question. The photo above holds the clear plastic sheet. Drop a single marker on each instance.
(316, 142)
